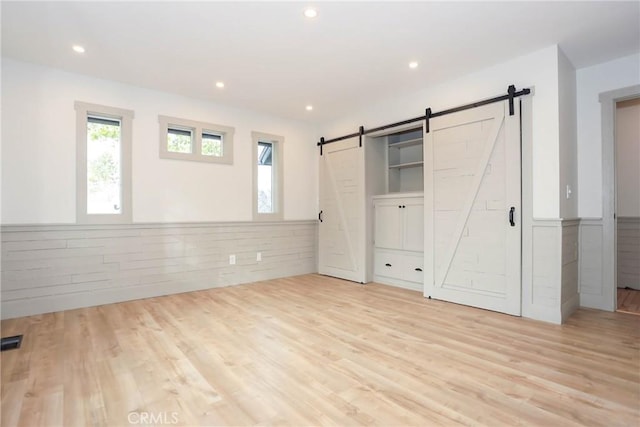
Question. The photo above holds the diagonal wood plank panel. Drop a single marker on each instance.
(313, 350)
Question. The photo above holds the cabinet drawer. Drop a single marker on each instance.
(388, 264)
(413, 268)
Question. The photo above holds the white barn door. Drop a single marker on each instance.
(473, 208)
(342, 237)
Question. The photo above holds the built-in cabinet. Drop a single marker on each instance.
(399, 240)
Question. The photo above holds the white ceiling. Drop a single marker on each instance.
(275, 60)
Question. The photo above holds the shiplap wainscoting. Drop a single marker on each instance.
(550, 269)
(569, 295)
(593, 292)
(60, 267)
(628, 252)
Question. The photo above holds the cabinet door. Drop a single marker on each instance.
(413, 233)
(388, 225)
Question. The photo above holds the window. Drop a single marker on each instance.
(103, 177)
(179, 140)
(265, 177)
(268, 196)
(183, 139)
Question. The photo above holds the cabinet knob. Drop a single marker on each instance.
(418, 269)
(388, 265)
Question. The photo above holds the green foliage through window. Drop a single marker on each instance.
(179, 141)
(103, 166)
(212, 145)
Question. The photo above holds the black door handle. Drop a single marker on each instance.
(512, 212)
(320, 216)
(388, 265)
(418, 269)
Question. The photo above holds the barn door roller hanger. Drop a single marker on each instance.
(511, 95)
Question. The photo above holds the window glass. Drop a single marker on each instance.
(265, 177)
(212, 145)
(104, 169)
(179, 140)
(103, 164)
(268, 194)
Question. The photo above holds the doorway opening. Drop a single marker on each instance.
(608, 102)
(627, 205)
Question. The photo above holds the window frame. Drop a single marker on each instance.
(197, 128)
(83, 111)
(277, 183)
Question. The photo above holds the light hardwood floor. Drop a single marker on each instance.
(312, 350)
(629, 300)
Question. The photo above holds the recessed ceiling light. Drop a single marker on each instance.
(220, 85)
(413, 64)
(310, 12)
(309, 107)
(77, 48)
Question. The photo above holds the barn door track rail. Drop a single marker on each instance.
(511, 95)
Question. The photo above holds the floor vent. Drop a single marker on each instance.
(10, 343)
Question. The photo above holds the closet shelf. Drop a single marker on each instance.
(408, 143)
(406, 165)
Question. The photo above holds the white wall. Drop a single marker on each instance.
(39, 142)
(590, 82)
(568, 138)
(537, 70)
(628, 158)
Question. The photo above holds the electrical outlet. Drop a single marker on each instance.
(232, 259)
(259, 256)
